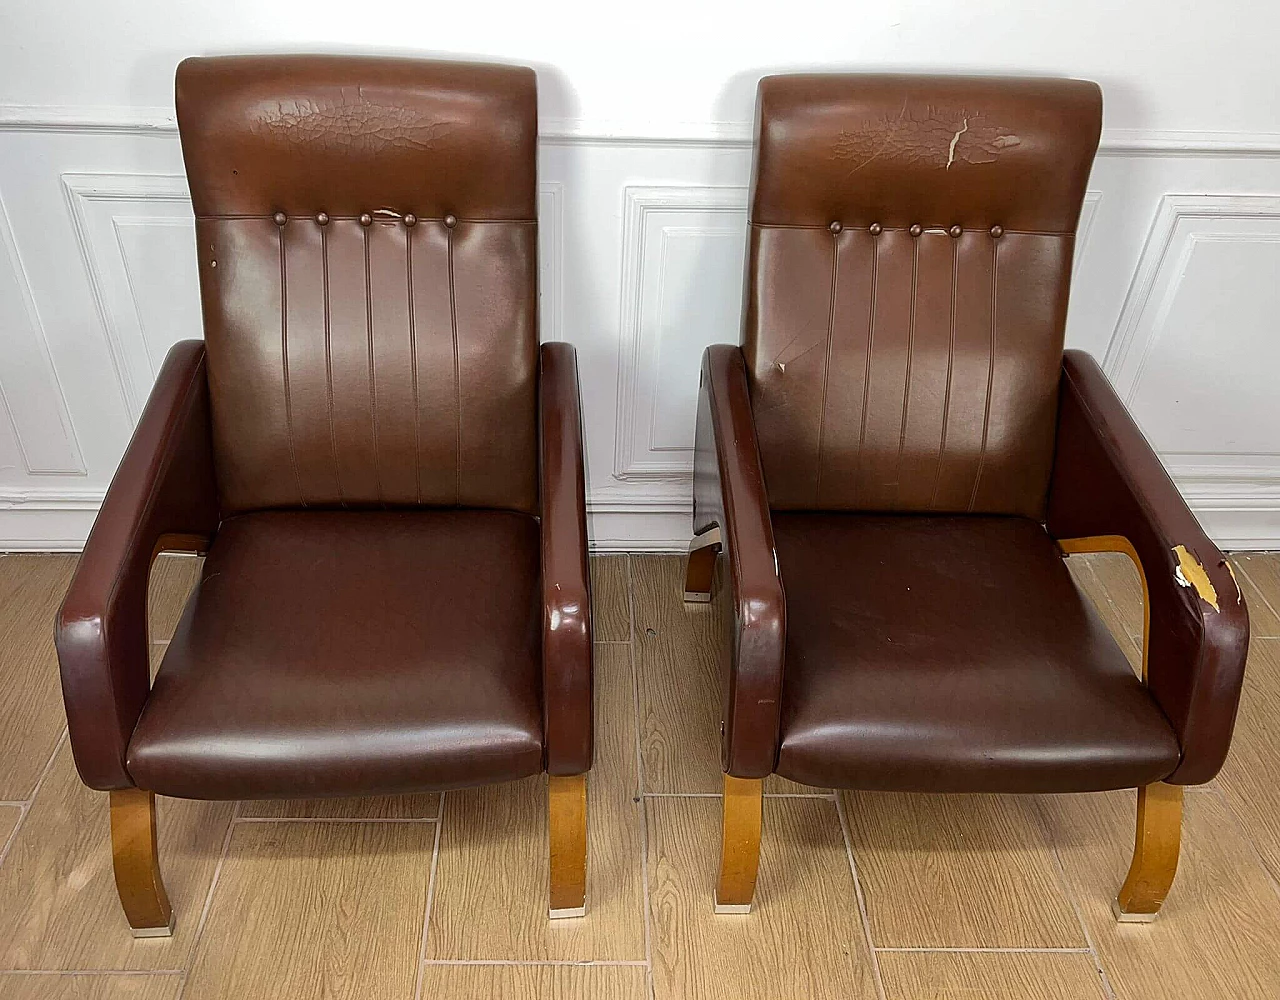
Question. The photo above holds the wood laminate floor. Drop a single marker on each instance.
(861, 896)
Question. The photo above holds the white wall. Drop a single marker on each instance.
(644, 164)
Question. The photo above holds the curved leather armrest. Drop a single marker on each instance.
(164, 496)
(566, 592)
(729, 492)
(1108, 481)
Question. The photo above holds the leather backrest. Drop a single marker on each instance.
(367, 243)
(910, 255)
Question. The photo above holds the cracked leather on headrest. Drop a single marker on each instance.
(930, 150)
(346, 135)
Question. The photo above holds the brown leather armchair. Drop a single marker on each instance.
(894, 463)
(383, 467)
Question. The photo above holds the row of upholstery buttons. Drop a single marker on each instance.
(875, 229)
(322, 219)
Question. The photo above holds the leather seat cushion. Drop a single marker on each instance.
(953, 654)
(329, 653)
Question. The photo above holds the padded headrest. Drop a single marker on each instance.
(930, 150)
(348, 135)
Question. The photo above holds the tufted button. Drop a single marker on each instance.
(366, 219)
(410, 219)
(997, 232)
(280, 218)
(916, 229)
(835, 227)
(450, 221)
(322, 218)
(875, 229)
(955, 231)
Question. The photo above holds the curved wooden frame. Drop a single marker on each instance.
(1159, 827)
(700, 567)
(136, 862)
(567, 844)
(741, 821)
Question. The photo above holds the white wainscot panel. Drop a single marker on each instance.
(1196, 354)
(40, 437)
(683, 252)
(137, 239)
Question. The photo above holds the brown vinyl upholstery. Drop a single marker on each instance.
(894, 452)
(910, 253)
(367, 237)
(1031, 693)
(382, 464)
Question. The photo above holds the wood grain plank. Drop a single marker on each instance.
(306, 910)
(958, 871)
(1259, 579)
(989, 976)
(172, 579)
(31, 714)
(678, 650)
(803, 937)
(39, 986)
(610, 599)
(1116, 572)
(1118, 623)
(425, 805)
(9, 816)
(60, 907)
(490, 897)
(1248, 780)
(1216, 933)
(545, 982)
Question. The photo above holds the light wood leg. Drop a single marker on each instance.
(567, 827)
(739, 844)
(701, 566)
(1155, 855)
(137, 865)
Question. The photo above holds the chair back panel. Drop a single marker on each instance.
(367, 243)
(909, 262)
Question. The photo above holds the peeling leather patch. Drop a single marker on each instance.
(1191, 574)
(930, 137)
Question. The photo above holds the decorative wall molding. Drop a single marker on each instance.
(551, 259)
(1155, 282)
(674, 220)
(121, 318)
(31, 394)
(133, 199)
(1236, 494)
(109, 120)
(649, 214)
(1084, 229)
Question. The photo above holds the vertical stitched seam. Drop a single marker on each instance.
(328, 359)
(911, 343)
(457, 383)
(826, 368)
(373, 378)
(866, 374)
(991, 371)
(284, 361)
(951, 354)
(413, 364)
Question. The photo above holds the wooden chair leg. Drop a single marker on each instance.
(137, 865)
(567, 828)
(701, 566)
(739, 844)
(1155, 855)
